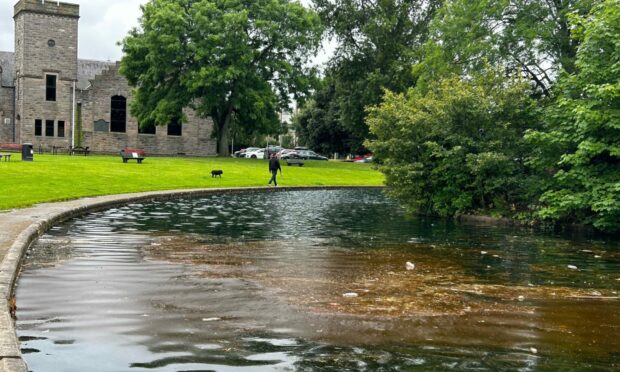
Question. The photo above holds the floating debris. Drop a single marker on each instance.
(350, 294)
(572, 267)
(210, 319)
(483, 252)
(533, 350)
(410, 265)
(521, 298)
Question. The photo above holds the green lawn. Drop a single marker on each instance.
(61, 177)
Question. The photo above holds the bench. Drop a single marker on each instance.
(11, 147)
(295, 161)
(137, 155)
(79, 150)
(55, 149)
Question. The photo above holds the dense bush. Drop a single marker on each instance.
(458, 145)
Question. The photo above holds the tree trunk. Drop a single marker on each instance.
(223, 132)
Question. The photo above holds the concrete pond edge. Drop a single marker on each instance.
(21, 227)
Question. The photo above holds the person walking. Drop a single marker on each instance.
(274, 166)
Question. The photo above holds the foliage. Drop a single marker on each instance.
(532, 37)
(581, 144)
(457, 146)
(70, 177)
(229, 60)
(377, 45)
(318, 124)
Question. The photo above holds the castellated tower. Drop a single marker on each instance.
(46, 69)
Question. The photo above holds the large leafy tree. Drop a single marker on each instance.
(318, 124)
(581, 145)
(237, 60)
(457, 146)
(532, 37)
(377, 45)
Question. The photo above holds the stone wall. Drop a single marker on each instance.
(6, 112)
(96, 107)
(45, 43)
(46, 39)
(34, 51)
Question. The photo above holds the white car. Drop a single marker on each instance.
(256, 154)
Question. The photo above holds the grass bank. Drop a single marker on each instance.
(60, 177)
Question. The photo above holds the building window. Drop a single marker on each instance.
(49, 128)
(118, 115)
(50, 87)
(175, 128)
(146, 128)
(61, 128)
(38, 127)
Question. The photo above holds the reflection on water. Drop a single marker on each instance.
(312, 281)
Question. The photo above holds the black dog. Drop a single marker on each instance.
(216, 172)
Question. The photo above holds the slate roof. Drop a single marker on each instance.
(87, 70)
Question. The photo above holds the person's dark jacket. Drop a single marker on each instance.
(274, 165)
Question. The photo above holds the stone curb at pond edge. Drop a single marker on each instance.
(20, 227)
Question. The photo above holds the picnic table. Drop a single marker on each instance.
(79, 150)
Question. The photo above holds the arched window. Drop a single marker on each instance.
(118, 114)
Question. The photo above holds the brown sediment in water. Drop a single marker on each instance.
(368, 283)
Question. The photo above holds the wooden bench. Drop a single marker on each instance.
(295, 161)
(10, 147)
(137, 155)
(16, 147)
(79, 150)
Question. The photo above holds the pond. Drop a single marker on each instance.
(312, 280)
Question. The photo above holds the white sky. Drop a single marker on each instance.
(102, 24)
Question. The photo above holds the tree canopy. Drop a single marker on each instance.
(231, 60)
(470, 138)
(377, 45)
(532, 37)
(581, 141)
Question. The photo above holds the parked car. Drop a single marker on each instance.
(272, 149)
(241, 153)
(291, 155)
(284, 153)
(256, 154)
(311, 155)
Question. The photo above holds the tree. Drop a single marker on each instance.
(532, 37)
(457, 146)
(377, 45)
(318, 124)
(581, 144)
(237, 60)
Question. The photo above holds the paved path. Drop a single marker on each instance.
(20, 227)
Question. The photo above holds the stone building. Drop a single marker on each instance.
(49, 97)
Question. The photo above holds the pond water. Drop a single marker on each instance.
(313, 280)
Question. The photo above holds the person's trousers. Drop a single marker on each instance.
(274, 173)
